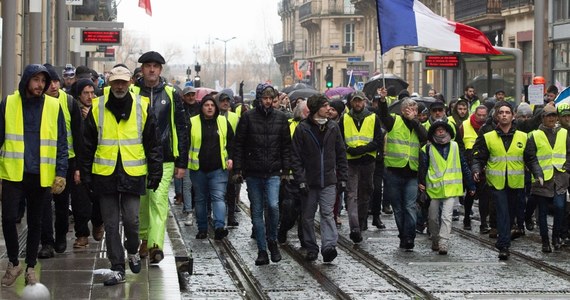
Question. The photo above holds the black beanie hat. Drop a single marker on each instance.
(81, 84)
(52, 72)
(315, 102)
(338, 105)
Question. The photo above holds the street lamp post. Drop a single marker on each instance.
(225, 56)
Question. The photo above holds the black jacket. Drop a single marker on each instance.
(262, 145)
(76, 125)
(161, 106)
(316, 163)
(120, 181)
(32, 115)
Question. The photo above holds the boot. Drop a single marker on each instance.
(274, 249)
(467, 223)
(377, 222)
(262, 258)
(556, 242)
(546, 246)
(232, 220)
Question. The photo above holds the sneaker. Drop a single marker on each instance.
(329, 254)
(134, 262)
(98, 232)
(467, 223)
(409, 246)
(116, 278)
(442, 250)
(484, 229)
(60, 244)
(504, 254)
(201, 235)
(220, 233)
(81, 242)
(12, 273)
(30, 277)
(46, 252)
(311, 256)
(232, 222)
(156, 255)
(143, 250)
(387, 210)
(188, 219)
(455, 216)
(356, 237)
(274, 250)
(262, 258)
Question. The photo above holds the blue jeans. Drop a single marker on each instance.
(559, 202)
(260, 191)
(177, 186)
(187, 192)
(402, 192)
(503, 199)
(210, 186)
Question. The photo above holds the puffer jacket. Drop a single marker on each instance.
(262, 145)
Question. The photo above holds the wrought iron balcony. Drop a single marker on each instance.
(508, 4)
(470, 9)
(305, 10)
(283, 49)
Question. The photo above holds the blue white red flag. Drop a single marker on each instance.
(563, 97)
(411, 23)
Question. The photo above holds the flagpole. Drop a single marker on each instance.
(382, 69)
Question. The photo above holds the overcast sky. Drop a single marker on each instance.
(189, 23)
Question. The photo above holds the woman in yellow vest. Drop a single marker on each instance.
(440, 174)
(552, 147)
(210, 136)
(500, 153)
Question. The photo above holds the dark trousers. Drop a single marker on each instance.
(85, 207)
(484, 197)
(61, 202)
(231, 198)
(290, 208)
(376, 202)
(504, 199)
(36, 198)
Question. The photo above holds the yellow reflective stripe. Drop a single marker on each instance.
(52, 143)
(108, 142)
(516, 172)
(47, 160)
(106, 162)
(7, 154)
(359, 138)
(134, 163)
(14, 137)
(402, 142)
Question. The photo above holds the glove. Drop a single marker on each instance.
(303, 189)
(237, 178)
(58, 185)
(341, 187)
(152, 183)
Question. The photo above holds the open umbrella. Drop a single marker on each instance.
(201, 92)
(296, 86)
(302, 93)
(395, 106)
(376, 82)
(339, 91)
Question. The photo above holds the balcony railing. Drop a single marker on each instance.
(283, 6)
(283, 49)
(305, 10)
(468, 9)
(507, 4)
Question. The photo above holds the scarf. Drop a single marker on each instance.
(359, 116)
(442, 139)
(476, 124)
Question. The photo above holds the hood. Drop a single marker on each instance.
(28, 73)
(210, 98)
(436, 124)
(262, 87)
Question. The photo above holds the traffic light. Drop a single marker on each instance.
(197, 82)
(329, 77)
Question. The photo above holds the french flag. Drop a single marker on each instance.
(411, 23)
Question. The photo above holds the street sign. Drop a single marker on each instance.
(74, 2)
(441, 62)
(101, 48)
(100, 37)
(354, 59)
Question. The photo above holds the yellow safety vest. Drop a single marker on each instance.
(469, 134)
(292, 125)
(124, 137)
(355, 138)
(444, 177)
(12, 151)
(67, 115)
(196, 141)
(390, 99)
(239, 110)
(402, 146)
(169, 92)
(503, 163)
(474, 106)
(548, 157)
(233, 118)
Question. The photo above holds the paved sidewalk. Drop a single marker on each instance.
(70, 275)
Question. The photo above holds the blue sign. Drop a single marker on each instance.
(354, 59)
(359, 86)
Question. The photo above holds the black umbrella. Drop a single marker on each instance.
(376, 82)
(296, 86)
(302, 93)
(395, 106)
(497, 83)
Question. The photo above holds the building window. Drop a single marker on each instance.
(526, 48)
(349, 37)
(560, 10)
(562, 62)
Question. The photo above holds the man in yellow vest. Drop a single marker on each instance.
(471, 97)
(404, 138)
(224, 105)
(210, 136)
(33, 163)
(552, 147)
(441, 173)
(362, 135)
(123, 159)
(173, 135)
(72, 115)
(501, 152)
